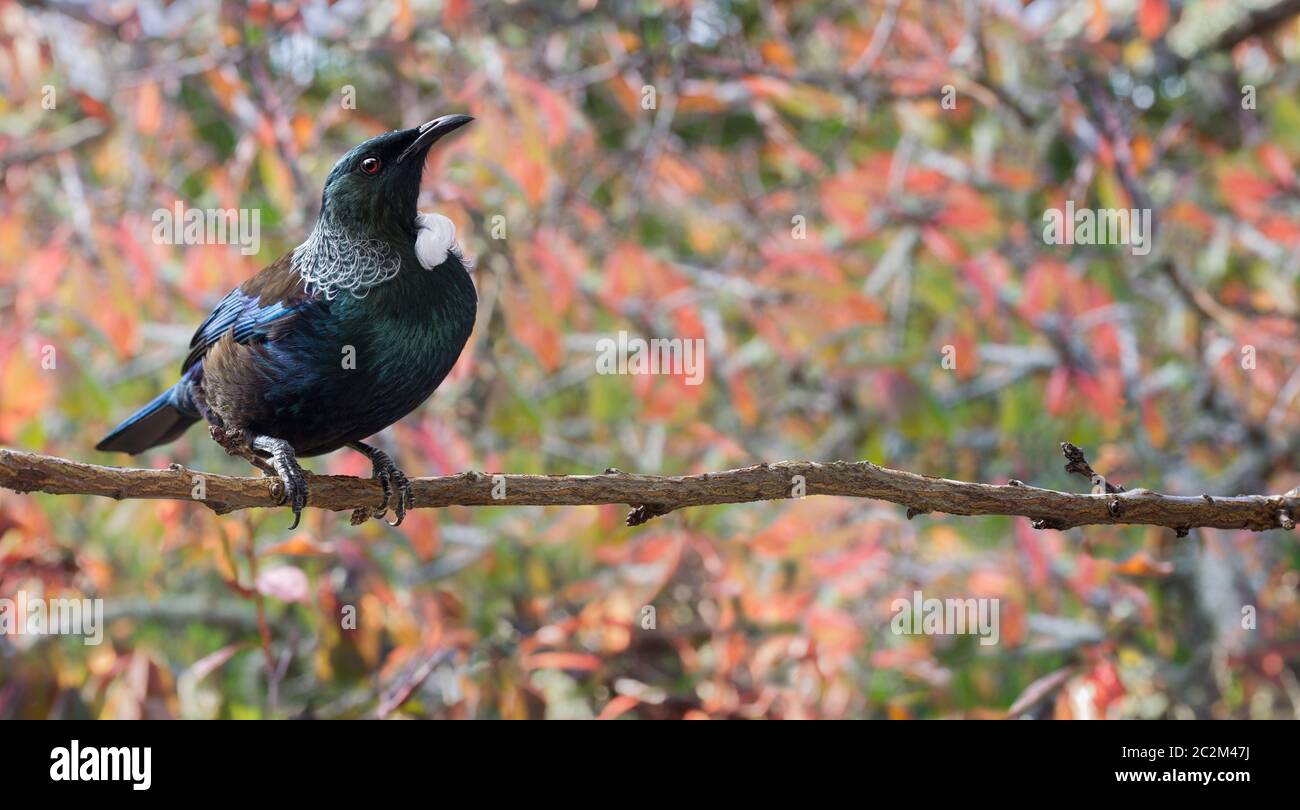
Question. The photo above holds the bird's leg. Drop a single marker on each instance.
(389, 477)
(285, 464)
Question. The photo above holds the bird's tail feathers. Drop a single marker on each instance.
(161, 421)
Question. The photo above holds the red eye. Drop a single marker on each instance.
(370, 165)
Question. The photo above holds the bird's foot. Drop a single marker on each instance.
(397, 487)
(285, 464)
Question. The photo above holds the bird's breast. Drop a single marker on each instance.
(404, 352)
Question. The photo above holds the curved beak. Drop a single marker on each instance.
(431, 131)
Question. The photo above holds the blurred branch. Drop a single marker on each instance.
(655, 495)
(879, 38)
(412, 681)
(1255, 23)
(69, 138)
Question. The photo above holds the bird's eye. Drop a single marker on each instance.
(370, 165)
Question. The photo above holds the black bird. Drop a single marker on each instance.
(337, 339)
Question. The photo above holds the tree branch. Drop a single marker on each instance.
(654, 495)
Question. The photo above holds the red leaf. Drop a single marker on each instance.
(1153, 18)
(1058, 391)
(1275, 160)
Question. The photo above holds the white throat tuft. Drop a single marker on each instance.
(434, 239)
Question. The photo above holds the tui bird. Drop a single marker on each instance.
(337, 339)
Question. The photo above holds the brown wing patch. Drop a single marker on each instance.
(276, 282)
(230, 383)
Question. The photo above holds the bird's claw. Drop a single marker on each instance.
(293, 484)
(396, 486)
(286, 467)
(390, 478)
(295, 492)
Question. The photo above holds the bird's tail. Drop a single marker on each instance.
(159, 422)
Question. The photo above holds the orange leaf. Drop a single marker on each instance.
(617, 707)
(26, 388)
(1154, 422)
(148, 108)
(1142, 564)
(1099, 23)
(562, 660)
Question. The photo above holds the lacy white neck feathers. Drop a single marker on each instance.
(330, 261)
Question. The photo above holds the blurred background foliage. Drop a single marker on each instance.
(771, 120)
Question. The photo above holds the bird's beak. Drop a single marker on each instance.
(431, 131)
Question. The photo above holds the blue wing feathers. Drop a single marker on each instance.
(161, 421)
(243, 313)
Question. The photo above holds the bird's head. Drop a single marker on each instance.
(374, 187)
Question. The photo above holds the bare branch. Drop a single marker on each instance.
(654, 495)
